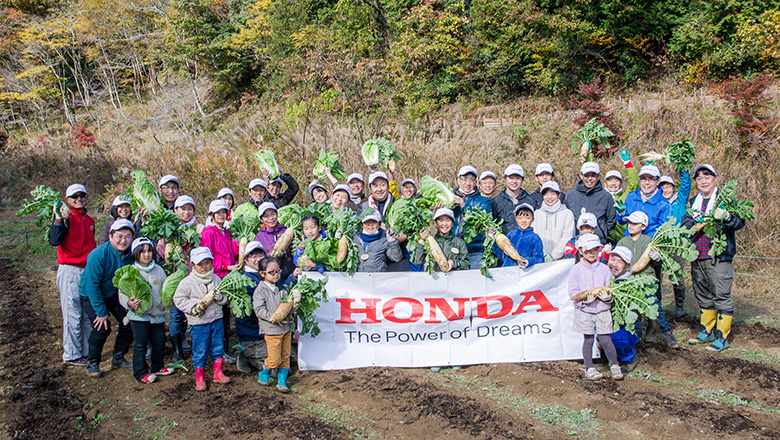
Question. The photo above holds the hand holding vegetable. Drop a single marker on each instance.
(296, 295)
(651, 157)
(654, 255)
(721, 214)
(134, 303)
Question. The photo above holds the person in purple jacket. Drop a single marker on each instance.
(270, 231)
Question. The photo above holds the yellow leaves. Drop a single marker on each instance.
(258, 26)
(639, 43)
(762, 36)
(33, 71)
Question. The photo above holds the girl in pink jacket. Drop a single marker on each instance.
(217, 238)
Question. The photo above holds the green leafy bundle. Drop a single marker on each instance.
(43, 203)
(161, 224)
(129, 281)
(343, 220)
(244, 226)
(379, 150)
(267, 162)
(593, 130)
(319, 210)
(325, 251)
(682, 153)
(478, 221)
(713, 227)
(143, 193)
(312, 294)
(329, 160)
(632, 298)
(406, 215)
(489, 257)
(170, 284)
(671, 240)
(436, 191)
(233, 286)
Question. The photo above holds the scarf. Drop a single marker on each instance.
(205, 279)
(698, 202)
(551, 208)
(250, 270)
(645, 198)
(379, 206)
(369, 238)
(192, 222)
(146, 269)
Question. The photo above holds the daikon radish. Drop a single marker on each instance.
(343, 250)
(437, 254)
(283, 242)
(598, 290)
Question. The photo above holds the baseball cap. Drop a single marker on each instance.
(373, 216)
(702, 167)
(199, 254)
(613, 173)
(265, 206)
(257, 182)
(523, 206)
(75, 189)
(183, 200)
(550, 185)
(253, 245)
(140, 241)
(486, 174)
(588, 242)
(544, 168)
(588, 219)
(590, 167)
(377, 175)
(314, 186)
(405, 181)
(341, 187)
(442, 212)
(120, 200)
(467, 169)
(225, 191)
(638, 217)
(666, 179)
(122, 223)
(357, 176)
(624, 253)
(167, 179)
(649, 170)
(216, 205)
(514, 170)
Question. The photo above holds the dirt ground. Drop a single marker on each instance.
(686, 393)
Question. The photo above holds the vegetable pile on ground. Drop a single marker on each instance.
(436, 191)
(479, 221)
(329, 160)
(267, 162)
(233, 286)
(681, 153)
(129, 281)
(43, 203)
(409, 216)
(713, 227)
(376, 151)
(592, 130)
(143, 193)
(669, 240)
(170, 284)
(244, 228)
(630, 299)
(312, 294)
(164, 224)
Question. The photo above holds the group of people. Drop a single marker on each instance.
(605, 225)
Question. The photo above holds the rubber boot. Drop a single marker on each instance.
(281, 380)
(118, 361)
(679, 299)
(219, 377)
(200, 379)
(722, 331)
(706, 324)
(178, 351)
(93, 362)
(653, 332)
(264, 376)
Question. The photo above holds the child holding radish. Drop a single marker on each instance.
(525, 241)
(200, 300)
(450, 252)
(149, 325)
(592, 315)
(375, 246)
(270, 232)
(311, 231)
(275, 312)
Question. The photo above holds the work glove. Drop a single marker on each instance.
(607, 249)
(56, 210)
(296, 296)
(654, 255)
(604, 295)
(492, 233)
(590, 298)
(338, 235)
(391, 235)
(624, 156)
(721, 214)
(523, 263)
(199, 309)
(548, 258)
(620, 207)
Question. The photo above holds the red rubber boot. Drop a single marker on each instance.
(218, 376)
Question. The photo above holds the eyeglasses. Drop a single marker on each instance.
(79, 196)
(274, 272)
(122, 237)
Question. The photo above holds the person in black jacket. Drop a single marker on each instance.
(712, 275)
(589, 196)
(503, 205)
(274, 192)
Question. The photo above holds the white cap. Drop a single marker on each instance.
(588, 242)
(373, 216)
(551, 184)
(167, 179)
(357, 176)
(276, 180)
(265, 206)
(666, 179)
(225, 191)
(588, 219)
(120, 200)
(444, 211)
(253, 245)
(376, 175)
(122, 223)
(624, 253)
(75, 189)
(514, 170)
(140, 241)
(216, 205)
(467, 169)
(590, 167)
(638, 217)
(486, 174)
(524, 206)
(649, 170)
(314, 186)
(544, 168)
(257, 182)
(341, 187)
(703, 166)
(183, 200)
(199, 254)
(405, 181)
(613, 173)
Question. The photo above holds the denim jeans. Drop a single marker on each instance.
(97, 338)
(475, 259)
(207, 339)
(177, 321)
(147, 334)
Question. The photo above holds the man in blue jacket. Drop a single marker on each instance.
(468, 197)
(99, 297)
(679, 201)
(648, 199)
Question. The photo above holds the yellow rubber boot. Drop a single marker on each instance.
(706, 324)
(722, 332)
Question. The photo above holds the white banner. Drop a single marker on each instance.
(461, 318)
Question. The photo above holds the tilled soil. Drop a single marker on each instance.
(667, 397)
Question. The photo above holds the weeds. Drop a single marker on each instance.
(341, 418)
(730, 399)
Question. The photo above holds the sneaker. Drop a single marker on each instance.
(94, 370)
(435, 369)
(593, 374)
(670, 341)
(80, 362)
(457, 368)
(149, 378)
(121, 363)
(616, 373)
(164, 371)
(229, 358)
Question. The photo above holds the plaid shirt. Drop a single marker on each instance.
(703, 245)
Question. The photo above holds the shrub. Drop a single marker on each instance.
(747, 104)
(80, 137)
(588, 102)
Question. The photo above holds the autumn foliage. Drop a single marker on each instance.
(748, 104)
(588, 103)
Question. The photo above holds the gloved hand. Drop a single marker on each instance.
(548, 258)
(56, 210)
(523, 263)
(590, 298)
(296, 295)
(721, 214)
(620, 207)
(604, 295)
(624, 156)
(199, 309)
(654, 255)
(492, 232)
(391, 235)
(607, 249)
(338, 235)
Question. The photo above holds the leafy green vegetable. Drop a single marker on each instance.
(233, 286)
(312, 294)
(43, 203)
(632, 298)
(681, 153)
(436, 191)
(407, 216)
(244, 226)
(130, 282)
(143, 193)
(266, 160)
(489, 257)
(161, 224)
(319, 210)
(593, 130)
(713, 227)
(379, 150)
(478, 221)
(344, 220)
(180, 364)
(671, 240)
(170, 284)
(330, 160)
